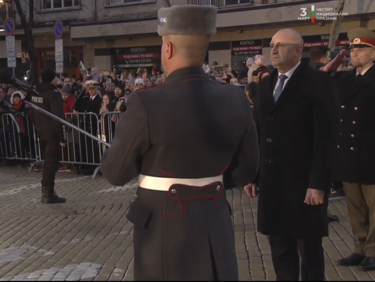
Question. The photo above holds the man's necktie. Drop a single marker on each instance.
(280, 87)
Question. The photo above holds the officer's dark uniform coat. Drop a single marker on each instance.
(297, 135)
(355, 152)
(189, 127)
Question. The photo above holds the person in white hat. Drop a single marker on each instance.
(355, 157)
(179, 138)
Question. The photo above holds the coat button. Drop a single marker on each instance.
(338, 146)
(352, 135)
(354, 122)
(355, 108)
(341, 120)
(351, 148)
(218, 187)
(270, 118)
(269, 140)
(268, 161)
(173, 191)
(342, 107)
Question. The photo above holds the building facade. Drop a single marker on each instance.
(104, 33)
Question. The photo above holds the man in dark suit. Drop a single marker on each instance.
(180, 139)
(297, 115)
(319, 57)
(355, 161)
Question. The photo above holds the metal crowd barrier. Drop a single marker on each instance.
(80, 150)
(108, 123)
(18, 139)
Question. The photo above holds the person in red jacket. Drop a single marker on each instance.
(69, 101)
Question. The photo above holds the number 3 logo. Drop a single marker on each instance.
(303, 12)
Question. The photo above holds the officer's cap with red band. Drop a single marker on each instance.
(361, 36)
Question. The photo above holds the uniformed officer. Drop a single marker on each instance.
(355, 162)
(51, 133)
(186, 139)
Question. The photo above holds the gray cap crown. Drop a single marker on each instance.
(187, 20)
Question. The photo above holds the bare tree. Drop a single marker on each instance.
(28, 29)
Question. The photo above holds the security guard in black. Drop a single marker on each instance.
(51, 133)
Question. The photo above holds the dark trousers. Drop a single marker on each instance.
(51, 154)
(286, 252)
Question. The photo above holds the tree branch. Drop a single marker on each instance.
(30, 40)
(31, 13)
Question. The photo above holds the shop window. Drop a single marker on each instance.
(236, 2)
(59, 4)
(50, 60)
(70, 59)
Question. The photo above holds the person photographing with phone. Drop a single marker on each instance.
(51, 133)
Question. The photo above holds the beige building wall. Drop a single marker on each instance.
(264, 16)
(48, 41)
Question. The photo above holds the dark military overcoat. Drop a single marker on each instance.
(355, 152)
(189, 127)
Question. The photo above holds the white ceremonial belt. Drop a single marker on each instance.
(164, 183)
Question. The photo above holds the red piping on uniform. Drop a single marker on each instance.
(194, 199)
(152, 86)
(222, 172)
(168, 173)
(217, 205)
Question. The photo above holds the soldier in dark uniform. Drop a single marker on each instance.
(51, 133)
(355, 162)
(187, 140)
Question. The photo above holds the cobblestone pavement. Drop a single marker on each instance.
(89, 238)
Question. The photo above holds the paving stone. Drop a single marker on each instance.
(89, 237)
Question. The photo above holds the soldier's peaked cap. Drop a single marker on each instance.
(187, 20)
(361, 36)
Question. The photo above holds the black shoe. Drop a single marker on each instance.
(53, 200)
(352, 260)
(368, 264)
(49, 196)
(332, 217)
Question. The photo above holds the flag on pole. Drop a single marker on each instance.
(81, 67)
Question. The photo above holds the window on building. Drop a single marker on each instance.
(236, 2)
(114, 2)
(59, 4)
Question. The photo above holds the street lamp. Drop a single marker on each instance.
(6, 3)
(1, 5)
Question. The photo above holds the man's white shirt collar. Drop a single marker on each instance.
(364, 71)
(290, 72)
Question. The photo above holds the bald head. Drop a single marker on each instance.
(286, 49)
(289, 35)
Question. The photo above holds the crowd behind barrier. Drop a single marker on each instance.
(80, 150)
